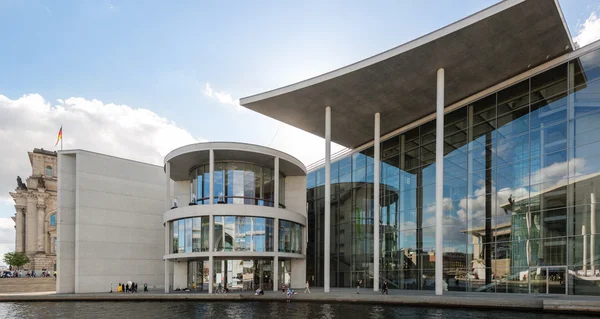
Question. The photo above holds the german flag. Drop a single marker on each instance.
(59, 136)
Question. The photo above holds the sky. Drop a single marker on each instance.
(136, 79)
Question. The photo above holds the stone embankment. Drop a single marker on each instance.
(27, 285)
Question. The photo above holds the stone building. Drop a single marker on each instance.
(35, 217)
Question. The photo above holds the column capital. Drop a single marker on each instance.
(21, 208)
(41, 206)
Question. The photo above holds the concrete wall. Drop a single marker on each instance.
(298, 273)
(65, 222)
(119, 233)
(181, 190)
(180, 274)
(295, 194)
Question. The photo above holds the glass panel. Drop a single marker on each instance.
(175, 234)
(181, 237)
(219, 183)
(205, 233)
(196, 234)
(188, 235)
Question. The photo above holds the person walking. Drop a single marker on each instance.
(306, 288)
(384, 288)
(145, 287)
(358, 283)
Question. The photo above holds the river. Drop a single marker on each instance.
(280, 310)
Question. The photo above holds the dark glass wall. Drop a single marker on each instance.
(521, 169)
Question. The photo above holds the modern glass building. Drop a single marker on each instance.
(472, 161)
(235, 218)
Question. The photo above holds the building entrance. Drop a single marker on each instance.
(243, 275)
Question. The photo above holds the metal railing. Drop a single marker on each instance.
(334, 157)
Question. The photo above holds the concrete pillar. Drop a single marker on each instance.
(593, 234)
(276, 251)
(211, 266)
(584, 263)
(327, 223)
(376, 217)
(31, 225)
(211, 274)
(20, 231)
(276, 273)
(46, 238)
(439, 186)
(276, 183)
(168, 244)
(211, 165)
(41, 210)
(167, 186)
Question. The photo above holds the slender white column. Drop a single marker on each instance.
(276, 183)
(327, 223)
(167, 186)
(167, 225)
(276, 251)
(439, 184)
(211, 274)
(276, 273)
(376, 228)
(211, 248)
(211, 164)
(584, 268)
(593, 233)
(167, 245)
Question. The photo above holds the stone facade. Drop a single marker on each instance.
(35, 217)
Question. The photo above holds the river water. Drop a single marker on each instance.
(280, 310)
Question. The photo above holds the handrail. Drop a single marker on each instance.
(241, 197)
(334, 156)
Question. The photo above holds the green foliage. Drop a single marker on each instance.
(15, 259)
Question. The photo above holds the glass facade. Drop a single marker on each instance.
(238, 233)
(521, 171)
(290, 237)
(236, 183)
(190, 235)
(243, 275)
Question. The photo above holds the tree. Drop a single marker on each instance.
(16, 259)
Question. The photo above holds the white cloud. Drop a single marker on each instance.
(7, 236)
(589, 31)
(222, 97)
(31, 122)
(305, 146)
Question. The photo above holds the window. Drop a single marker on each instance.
(53, 220)
(48, 170)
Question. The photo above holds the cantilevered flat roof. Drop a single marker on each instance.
(476, 52)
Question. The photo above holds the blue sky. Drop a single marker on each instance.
(162, 56)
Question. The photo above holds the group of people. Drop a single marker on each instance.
(18, 274)
(127, 288)
(384, 287)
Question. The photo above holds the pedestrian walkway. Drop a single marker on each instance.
(550, 303)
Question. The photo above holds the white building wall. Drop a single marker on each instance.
(65, 223)
(295, 194)
(180, 274)
(298, 273)
(181, 190)
(119, 233)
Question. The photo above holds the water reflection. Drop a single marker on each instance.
(236, 310)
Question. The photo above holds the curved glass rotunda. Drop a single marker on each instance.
(235, 217)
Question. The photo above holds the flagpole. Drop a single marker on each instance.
(61, 138)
